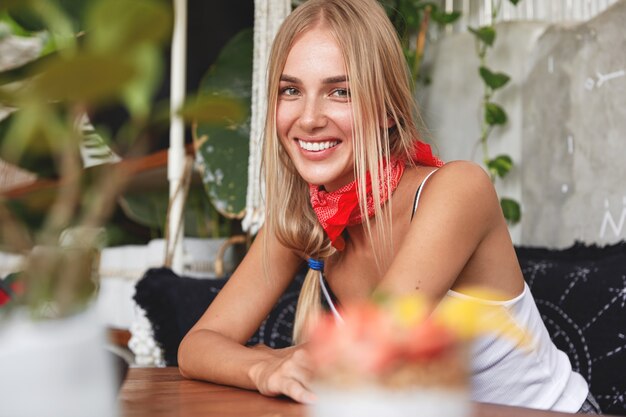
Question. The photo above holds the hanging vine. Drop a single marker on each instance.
(493, 114)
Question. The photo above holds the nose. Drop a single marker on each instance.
(313, 114)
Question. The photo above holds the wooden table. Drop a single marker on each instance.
(155, 392)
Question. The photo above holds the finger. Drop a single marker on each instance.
(299, 393)
(304, 376)
(299, 369)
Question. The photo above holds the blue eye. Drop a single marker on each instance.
(341, 92)
(289, 91)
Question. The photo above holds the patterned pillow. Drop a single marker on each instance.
(173, 304)
(581, 293)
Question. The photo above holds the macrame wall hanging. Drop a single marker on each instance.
(268, 15)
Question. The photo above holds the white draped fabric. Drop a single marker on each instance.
(478, 12)
(176, 155)
(268, 15)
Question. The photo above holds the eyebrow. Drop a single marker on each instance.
(330, 80)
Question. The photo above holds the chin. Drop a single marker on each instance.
(314, 180)
(312, 176)
(328, 177)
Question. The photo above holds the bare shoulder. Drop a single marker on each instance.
(463, 174)
(461, 187)
(464, 178)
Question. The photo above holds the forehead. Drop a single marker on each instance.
(315, 51)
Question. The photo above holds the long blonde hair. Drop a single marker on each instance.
(384, 126)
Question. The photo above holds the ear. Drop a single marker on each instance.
(390, 122)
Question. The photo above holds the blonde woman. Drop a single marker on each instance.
(341, 123)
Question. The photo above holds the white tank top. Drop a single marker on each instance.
(540, 377)
(503, 373)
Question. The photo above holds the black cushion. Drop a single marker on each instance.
(581, 293)
(173, 304)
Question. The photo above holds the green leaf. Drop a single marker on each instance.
(36, 15)
(139, 93)
(84, 78)
(26, 18)
(511, 210)
(12, 26)
(411, 15)
(11, 4)
(223, 148)
(122, 24)
(445, 18)
(514, 2)
(23, 142)
(494, 80)
(58, 23)
(494, 114)
(25, 71)
(500, 165)
(409, 55)
(389, 6)
(148, 207)
(7, 99)
(485, 34)
(215, 110)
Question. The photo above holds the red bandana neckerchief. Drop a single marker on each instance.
(338, 209)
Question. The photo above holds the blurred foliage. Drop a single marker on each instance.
(94, 54)
(105, 53)
(116, 61)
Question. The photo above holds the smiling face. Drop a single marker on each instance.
(314, 112)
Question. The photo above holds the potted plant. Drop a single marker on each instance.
(216, 199)
(93, 54)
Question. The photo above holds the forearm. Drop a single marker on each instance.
(210, 356)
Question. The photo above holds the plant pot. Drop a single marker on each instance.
(55, 367)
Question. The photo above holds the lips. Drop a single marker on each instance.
(317, 146)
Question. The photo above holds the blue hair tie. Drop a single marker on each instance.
(315, 264)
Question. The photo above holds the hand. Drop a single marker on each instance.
(285, 372)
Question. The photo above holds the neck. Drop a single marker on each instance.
(401, 204)
(358, 239)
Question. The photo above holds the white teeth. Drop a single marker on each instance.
(317, 146)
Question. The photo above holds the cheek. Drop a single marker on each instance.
(284, 118)
(283, 125)
(343, 119)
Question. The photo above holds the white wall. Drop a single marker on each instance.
(567, 122)
(451, 104)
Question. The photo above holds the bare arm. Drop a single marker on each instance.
(457, 238)
(214, 350)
